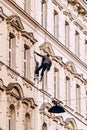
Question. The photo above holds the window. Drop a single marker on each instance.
(10, 122)
(86, 50)
(77, 98)
(56, 83)
(44, 127)
(27, 5)
(67, 35)
(68, 92)
(24, 5)
(26, 61)
(86, 102)
(44, 13)
(27, 122)
(44, 82)
(55, 24)
(11, 51)
(77, 46)
(12, 118)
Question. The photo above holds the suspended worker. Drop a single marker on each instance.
(45, 64)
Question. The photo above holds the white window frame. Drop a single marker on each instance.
(56, 83)
(25, 61)
(78, 98)
(67, 40)
(86, 51)
(56, 24)
(44, 14)
(77, 44)
(68, 91)
(11, 51)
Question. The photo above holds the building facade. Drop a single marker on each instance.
(58, 27)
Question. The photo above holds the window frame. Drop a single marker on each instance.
(44, 14)
(12, 49)
(77, 43)
(26, 57)
(67, 35)
(78, 101)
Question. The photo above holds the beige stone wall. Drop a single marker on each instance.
(24, 102)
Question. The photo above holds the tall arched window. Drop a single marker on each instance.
(78, 98)
(77, 44)
(67, 34)
(56, 83)
(12, 47)
(68, 91)
(12, 118)
(27, 121)
(44, 127)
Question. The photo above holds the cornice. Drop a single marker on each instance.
(58, 3)
(80, 77)
(29, 35)
(79, 6)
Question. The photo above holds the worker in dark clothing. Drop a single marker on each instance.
(45, 65)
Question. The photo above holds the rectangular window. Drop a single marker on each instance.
(77, 46)
(55, 24)
(44, 82)
(24, 5)
(44, 14)
(68, 91)
(56, 83)
(86, 103)
(25, 61)
(67, 44)
(77, 98)
(11, 51)
(86, 51)
(27, 6)
(10, 123)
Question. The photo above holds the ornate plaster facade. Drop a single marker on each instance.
(60, 28)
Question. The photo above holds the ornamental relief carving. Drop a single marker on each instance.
(1, 85)
(1, 65)
(11, 74)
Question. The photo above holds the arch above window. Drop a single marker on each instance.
(70, 122)
(15, 90)
(30, 102)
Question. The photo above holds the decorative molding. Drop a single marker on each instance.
(15, 21)
(78, 6)
(1, 65)
(2, 15)
(70, 67)
(58, 59)
(85, 32)
(59, 4)
(30, 102)
(80, 77)
(27, 85)
(12, 74)
(71, 121)
(2, 88)
(47, 47)
(78, 24)
(15, 90)
(29, 35)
